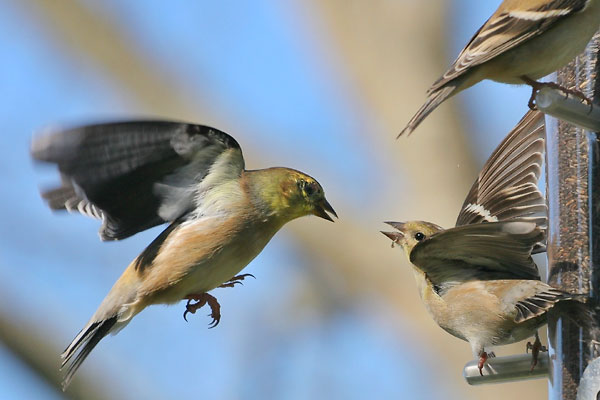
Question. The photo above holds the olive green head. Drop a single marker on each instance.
(291, 194)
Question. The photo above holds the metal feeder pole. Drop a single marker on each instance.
(573, 193)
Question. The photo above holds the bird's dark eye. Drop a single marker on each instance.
(302, 185)
(419, 236)
(308, 188)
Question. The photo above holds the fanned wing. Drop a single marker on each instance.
(506, 187)
(506, 29)
(489, 251)
(135, 175)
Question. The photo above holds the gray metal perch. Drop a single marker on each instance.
(568, 108)
(506, 369)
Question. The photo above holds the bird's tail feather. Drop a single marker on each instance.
(82, 345)
(434, 100)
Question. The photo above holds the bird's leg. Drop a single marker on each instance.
(202, 299)
(483, 356)
(535, 348)
(536, 86)
(235, 280)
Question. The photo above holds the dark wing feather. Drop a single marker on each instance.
(540, 303)
(504, 31)
(132, 175)
(506, 187)
(494, 250)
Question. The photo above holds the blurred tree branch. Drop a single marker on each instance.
(32, 345)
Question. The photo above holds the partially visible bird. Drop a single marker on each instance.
(139, 174)
(523, 41)
(478, 280)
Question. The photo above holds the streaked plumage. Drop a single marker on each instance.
(478, 280)
(523, 41)
(136, 175)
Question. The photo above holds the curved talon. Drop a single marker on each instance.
(201, 300)
(531, 104)
(236, 279)
(192, 307)
(214, 322)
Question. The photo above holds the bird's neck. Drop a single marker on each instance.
(432, 300)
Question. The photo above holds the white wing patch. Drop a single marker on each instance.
(538, 15)
(480, 210)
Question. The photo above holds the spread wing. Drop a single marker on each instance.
(490, 251)
(506, 29)
(136, 175)
(506, 187)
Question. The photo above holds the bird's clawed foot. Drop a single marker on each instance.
(483, 356)
(535, 348)
(536, 86)
(202, 299)
(235, 280)
(205, 298)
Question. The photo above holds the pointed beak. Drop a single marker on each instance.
(322, 209)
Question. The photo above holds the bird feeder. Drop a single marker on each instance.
(572, 364)
(573, 193)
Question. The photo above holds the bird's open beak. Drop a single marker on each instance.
(395, 236)
(322, 209)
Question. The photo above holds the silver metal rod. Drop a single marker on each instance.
(568, 108)
(506, 369)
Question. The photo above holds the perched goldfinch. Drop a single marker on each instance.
(523, 41)
(478, 280)
(136, 175)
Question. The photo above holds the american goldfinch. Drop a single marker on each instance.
(478, 280)
(523, 41)
(136, 175)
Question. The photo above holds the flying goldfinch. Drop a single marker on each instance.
(478, 280)
(523, 41)
(136, 175)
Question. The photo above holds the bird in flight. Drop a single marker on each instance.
(140, 174)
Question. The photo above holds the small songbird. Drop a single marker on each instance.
(478, 280)
(139, 174)
(523, 41)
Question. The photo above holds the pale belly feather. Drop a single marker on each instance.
(199, 262)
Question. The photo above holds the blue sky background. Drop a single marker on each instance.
(263, 69)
